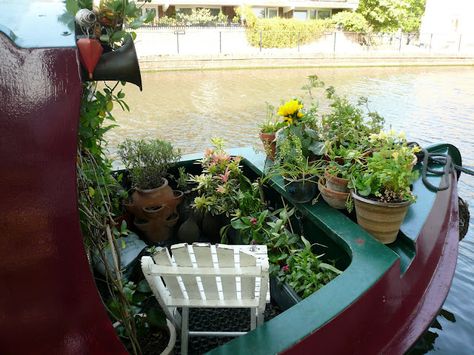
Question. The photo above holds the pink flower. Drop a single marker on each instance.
(225, 177)
(208, 152)
(253, 220)
(218, 157)
(286, 268)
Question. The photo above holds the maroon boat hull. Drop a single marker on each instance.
(49, 303)
(396, 311)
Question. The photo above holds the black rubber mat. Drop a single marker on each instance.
(215, 319)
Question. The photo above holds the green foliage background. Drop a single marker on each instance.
(390, 15)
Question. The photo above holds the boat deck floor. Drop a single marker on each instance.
(224, 319)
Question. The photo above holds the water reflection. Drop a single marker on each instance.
(429, 104)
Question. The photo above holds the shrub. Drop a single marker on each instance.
(147, 161)
(350, 21)
(197, 17)
(284, 33)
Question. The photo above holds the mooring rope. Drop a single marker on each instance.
(448, 166)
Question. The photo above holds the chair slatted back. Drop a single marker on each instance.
(202, 275)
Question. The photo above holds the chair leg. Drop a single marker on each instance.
(184, 330)
(253, 321)
(260, 316)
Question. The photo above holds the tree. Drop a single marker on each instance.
(390, 15)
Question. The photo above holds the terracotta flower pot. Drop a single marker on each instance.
(335, 183)
(269, 144)
(155, 211)
(335, 199)
(381, 219)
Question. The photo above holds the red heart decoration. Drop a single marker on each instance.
(90, 51)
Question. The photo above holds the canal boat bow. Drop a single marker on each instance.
(385, 298)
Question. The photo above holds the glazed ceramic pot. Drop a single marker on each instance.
(381, 219)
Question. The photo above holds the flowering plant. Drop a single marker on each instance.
(291, 111)
(219, 182)
(388, 173)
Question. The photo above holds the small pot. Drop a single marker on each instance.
(335, 199)
(381, 219)
(302, 190)
(336, 183)
(269, 144)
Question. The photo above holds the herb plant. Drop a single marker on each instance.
(147, 161)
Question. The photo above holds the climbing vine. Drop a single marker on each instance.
(99, 192)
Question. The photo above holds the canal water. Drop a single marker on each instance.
(429, 104)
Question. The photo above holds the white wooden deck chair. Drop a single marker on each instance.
(207, 276)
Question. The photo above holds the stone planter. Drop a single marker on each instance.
(381, 219)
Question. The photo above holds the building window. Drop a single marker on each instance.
(300, 14)
(313, 14)
(265, 12)
(322, 14)
(184, 10)
(272, 12)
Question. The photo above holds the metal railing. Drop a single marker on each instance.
(234, 41)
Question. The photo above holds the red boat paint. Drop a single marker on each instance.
(48, 303)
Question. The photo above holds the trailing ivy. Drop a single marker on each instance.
(99, 193)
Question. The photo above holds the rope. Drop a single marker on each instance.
(85, 19)
(439, 159)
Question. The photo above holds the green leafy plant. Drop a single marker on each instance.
(220, 182)
(388, 173)
(291, 162)
(142, 307)
(348, 126)
(305, 272)
(350, 21)
(282, 33)
(147, 161)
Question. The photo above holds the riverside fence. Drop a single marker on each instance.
(186, 41)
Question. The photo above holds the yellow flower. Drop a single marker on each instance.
(395, 155)
(289, 108)
(288, 120)
(416, 149)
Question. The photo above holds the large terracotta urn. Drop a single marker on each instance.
(155, 211)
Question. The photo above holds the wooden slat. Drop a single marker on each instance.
(182, 258)
(225, 257)
(247, 284)
(206, 271)
(202, 252)
(163, 258)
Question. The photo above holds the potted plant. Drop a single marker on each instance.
(153, 203)
(300, 175)
(305, 272)
(268, 131)
(218, 188)
(334, 186)
(381, 186)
